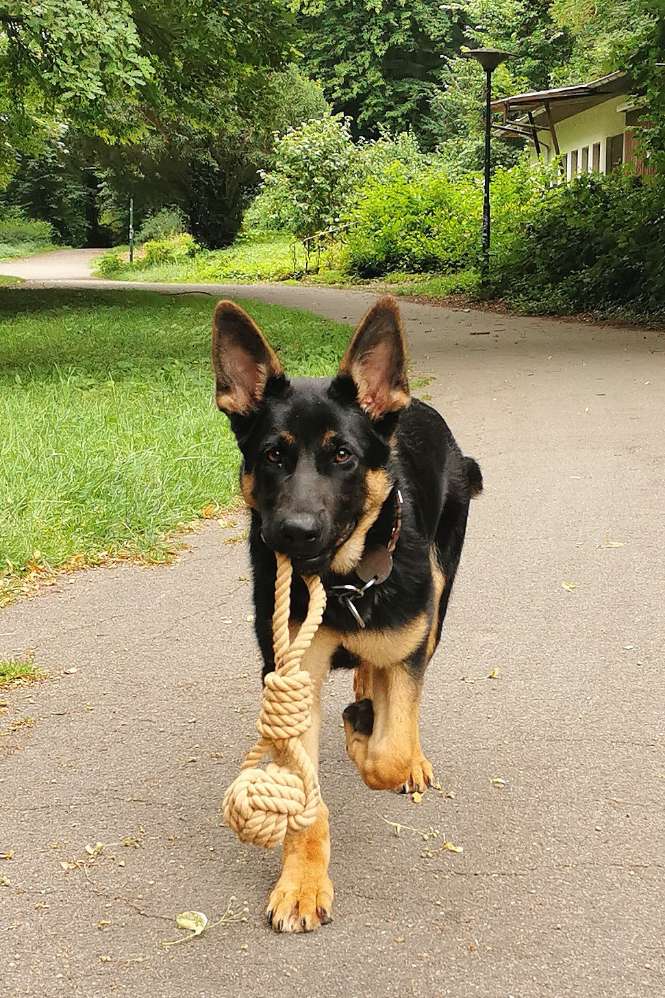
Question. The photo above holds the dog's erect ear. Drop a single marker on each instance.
(376, 360)
(242, 360)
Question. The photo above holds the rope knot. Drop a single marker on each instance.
(286, 711)
(262, 805)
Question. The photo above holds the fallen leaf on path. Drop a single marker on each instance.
(494, 674)
(4, 882)
(416, 797)
(498, 781)
(194, 921)
(451, 847)
(9, 854)
(95, 850)
(570, 587)
(607, 543)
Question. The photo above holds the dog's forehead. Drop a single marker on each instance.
(308, 414)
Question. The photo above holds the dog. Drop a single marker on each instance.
(361, 484)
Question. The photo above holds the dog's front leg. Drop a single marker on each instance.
(382, 730)
(302, 897)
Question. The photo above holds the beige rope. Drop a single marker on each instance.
(261, 805)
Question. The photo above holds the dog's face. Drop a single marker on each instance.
(316, 452)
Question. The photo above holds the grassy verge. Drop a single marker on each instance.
(13, 251)
(266, 257)
(16, 672)
(110, 440)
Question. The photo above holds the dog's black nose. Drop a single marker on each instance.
(300, 533)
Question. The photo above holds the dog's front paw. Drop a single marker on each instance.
(300, 903)
(421, 776)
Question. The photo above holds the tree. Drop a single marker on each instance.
(122, 68)
(380, 61)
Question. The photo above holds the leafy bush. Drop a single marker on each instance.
(163, 224)
(420, 223)
(15, 228)
(311, 181)
(590, 245)
(169, 250)
(109, 264)
(318, 174)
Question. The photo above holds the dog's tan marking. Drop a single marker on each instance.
(302, 897)
(389, 757)
(362, 681)
(378, 486)
(438, 582)
(385, 648)
(247, 488)
(287, 437)
(328, 437)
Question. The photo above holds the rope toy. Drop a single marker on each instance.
(261, 805)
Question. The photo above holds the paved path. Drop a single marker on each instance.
(560, 888)
(56, 265)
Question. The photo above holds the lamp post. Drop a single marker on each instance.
(489, 59)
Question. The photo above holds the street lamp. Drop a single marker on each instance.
(489, 59)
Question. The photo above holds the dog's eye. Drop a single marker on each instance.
(274, 455)
(342, 455)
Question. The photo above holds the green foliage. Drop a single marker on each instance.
(169, 250)
(109, 264)
(112, 390)
(312, 179)
(416, 224)
(125, 69)
(590, 245)
(15, 228)
(162, 224)
(380, 63)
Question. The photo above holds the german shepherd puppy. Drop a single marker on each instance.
(363, 485)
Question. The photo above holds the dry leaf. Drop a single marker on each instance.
(194, 921)
(498, 781)
(95, 850)
(451, 847)
(4, 882)
(416, 797)
(494, 674)
(570, 587)
(209, 511)
(607, 543)
(9, 854)
(66, 865)
(105, 959)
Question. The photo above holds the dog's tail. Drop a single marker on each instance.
(474, 476)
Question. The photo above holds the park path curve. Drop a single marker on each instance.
(554, 769)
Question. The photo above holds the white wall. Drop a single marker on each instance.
(594, 125)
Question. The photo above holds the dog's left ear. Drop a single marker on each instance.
(242, 359)
(376, 360)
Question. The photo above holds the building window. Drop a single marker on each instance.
(595, 157)
(585, 160)
(614, 155)
(572, 156)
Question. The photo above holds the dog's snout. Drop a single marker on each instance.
(300, 532)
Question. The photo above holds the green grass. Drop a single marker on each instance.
(110, 439)
(16, 671)
(267, 257)
(8, 282)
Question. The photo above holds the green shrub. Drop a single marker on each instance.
(170, 250)
(15, 228)
(414, 223)
(109, 264)
(163, 224)
(590, 245)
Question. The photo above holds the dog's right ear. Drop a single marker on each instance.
(242, 359)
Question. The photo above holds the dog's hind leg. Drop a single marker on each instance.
(302, 897)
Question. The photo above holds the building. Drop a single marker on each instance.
(591, 126)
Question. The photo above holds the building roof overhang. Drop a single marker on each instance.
(552, 106)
